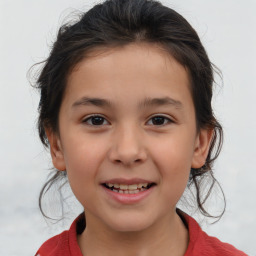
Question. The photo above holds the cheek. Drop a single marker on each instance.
(82, 158)
(82, 152)
(174, 153)
(173, 158)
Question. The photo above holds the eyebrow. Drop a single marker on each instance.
(148, 102)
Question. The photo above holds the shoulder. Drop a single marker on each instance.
(216, 246)
(52, 246)
(64, 244)
(202, 244)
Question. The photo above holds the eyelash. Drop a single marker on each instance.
(94, 116)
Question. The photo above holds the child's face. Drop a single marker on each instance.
(127, 141)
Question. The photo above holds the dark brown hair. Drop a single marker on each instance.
(115, 23)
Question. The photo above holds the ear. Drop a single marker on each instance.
(56, 150)
(202, 145)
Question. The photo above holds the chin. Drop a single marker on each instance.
(129, 224)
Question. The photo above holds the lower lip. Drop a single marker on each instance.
(128, 198)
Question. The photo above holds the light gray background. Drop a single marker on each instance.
(28, 28)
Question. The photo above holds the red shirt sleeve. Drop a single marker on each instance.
(64, 244)
(202, 244)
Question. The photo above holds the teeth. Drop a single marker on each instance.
(134, 191)
(127, 191)
(128, 187)
(123, 186)
(132, 187)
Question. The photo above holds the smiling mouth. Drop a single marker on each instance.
(128, 189)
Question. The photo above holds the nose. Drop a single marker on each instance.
(127, 147)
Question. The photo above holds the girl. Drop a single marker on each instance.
(126, 111)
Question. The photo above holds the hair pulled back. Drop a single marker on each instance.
(115, 23)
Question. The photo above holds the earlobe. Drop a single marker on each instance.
(56, 150)
(202, 146)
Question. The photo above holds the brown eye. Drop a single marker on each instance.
(95, 120)
(160, 120)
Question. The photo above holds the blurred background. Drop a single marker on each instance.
(28, 28)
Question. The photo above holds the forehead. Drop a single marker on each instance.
(136, 70)
(125, 54)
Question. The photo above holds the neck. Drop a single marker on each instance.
(167, 237)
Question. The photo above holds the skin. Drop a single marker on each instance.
(128, 143)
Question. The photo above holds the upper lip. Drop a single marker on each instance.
(126, 181)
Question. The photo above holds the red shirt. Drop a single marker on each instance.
(65, 244)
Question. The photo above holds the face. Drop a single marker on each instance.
(127, 136)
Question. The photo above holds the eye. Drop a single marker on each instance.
(160, 120)
(95, 120)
